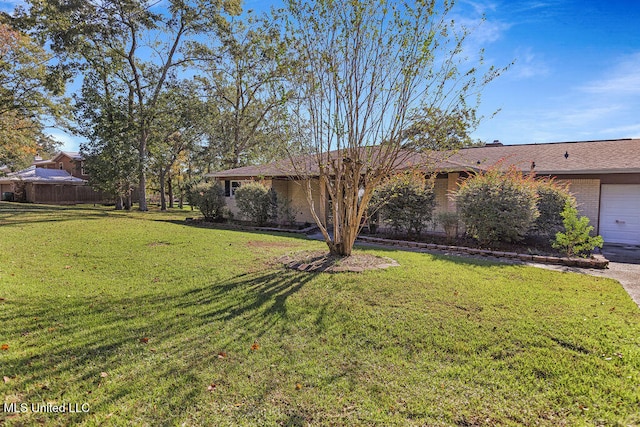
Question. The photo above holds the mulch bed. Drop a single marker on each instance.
(322, 261)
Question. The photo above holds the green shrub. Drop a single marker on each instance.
(256, 202)
(450, 222)
(576, 239)
(497, 206)
(286, 213)
(209, 199)
(406, 202)
(552, 198)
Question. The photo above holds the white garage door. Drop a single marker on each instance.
(620, 213)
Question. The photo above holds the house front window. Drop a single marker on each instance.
(230, 187)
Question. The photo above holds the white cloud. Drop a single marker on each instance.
(621, 79)
(631, 131)
(529, 6)
(528, 65)
(480, 7)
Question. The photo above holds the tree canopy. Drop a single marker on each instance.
(30, 96)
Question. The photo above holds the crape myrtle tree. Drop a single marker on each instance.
(375, 79)
(148, 43)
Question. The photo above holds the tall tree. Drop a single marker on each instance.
(369, 72)
(180, 127)
(103, 118)
(30, 96)
(245, 81)
(147, 41)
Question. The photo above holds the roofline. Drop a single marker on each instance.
(588, 171)
(444, 170)
(462, 167)
(549, 143)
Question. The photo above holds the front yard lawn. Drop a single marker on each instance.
(139, 319)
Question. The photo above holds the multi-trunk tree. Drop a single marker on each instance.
(372, 76)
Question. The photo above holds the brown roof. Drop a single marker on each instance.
(559, 158)
(587, 157)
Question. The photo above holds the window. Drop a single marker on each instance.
(230, 187)
(234, 186)
(60, 165)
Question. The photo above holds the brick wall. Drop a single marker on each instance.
(587, 194)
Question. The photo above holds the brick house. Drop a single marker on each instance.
(60, 180)
(71, 162)
(604, 177)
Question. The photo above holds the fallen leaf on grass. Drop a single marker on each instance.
(222, 355)
(144, 340)
(4, 347)
(104, 374)
(6, 379)
(66, 267)
(298, 386)
(211, 387)
(255, 346)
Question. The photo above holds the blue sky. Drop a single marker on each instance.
(576, 74)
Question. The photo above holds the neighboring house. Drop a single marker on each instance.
(71, 162)
(604, 176)
(60, 180)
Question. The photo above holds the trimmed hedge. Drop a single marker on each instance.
(498, 206)
(406, 202)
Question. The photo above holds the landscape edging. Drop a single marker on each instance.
(596, 261)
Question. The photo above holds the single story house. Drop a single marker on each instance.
(604, 177)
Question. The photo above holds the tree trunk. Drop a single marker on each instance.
(163, 198)
(128, 201)
(119, 203)
(142, 186)
(170, 190)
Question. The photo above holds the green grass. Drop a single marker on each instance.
(436, 341)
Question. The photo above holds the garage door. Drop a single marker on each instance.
(620, 213)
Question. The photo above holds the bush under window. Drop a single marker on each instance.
(497, 206)
(209, 199)
(406, 202)
(257, 203)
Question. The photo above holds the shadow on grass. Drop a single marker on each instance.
(25, 213)
(223, 227)
(112, 352)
